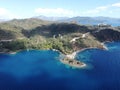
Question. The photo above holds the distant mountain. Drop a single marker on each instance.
(51, 18)
(83, 20)
(93, 20)
(28, 23)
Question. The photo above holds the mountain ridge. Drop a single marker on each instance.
(84, 20)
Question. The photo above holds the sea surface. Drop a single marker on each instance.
(41, 70)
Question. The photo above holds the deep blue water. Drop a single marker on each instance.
(41, 70)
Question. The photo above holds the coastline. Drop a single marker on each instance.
(9, 52)
(69, 59)
(73, 55)
(77, 64)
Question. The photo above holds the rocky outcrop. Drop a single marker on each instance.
(107, 35)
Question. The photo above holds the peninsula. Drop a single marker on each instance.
(28, 34)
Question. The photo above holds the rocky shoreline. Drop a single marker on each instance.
(73, 63)
(70, 60)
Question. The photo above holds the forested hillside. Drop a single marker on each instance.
(33, 33)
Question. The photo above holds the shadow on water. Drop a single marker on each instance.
(43, 82)
(39, 70)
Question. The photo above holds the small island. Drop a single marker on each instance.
(73, 63)
(70, 60)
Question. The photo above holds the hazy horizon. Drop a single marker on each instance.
(10, 9)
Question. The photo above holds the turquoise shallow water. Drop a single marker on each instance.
(41, 70)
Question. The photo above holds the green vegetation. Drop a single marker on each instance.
(32, 33)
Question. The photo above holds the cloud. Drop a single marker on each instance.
(116, 5)
(104, 9)
(54, 12)
(6, 14)
(2, 10)
(97, 10)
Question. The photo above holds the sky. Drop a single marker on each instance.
(10, 9)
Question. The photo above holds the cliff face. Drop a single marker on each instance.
(107, 35)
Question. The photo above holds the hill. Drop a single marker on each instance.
(33, 33)
(28, 23)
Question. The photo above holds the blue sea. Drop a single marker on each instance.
(41, 70)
